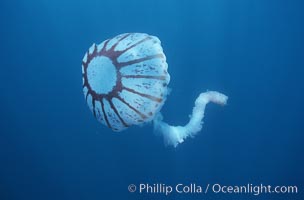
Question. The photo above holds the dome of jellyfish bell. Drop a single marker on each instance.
(125, 80)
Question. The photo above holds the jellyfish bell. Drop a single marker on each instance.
(125, 83)
(125, 80)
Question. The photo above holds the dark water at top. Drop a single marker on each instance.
(51, 147)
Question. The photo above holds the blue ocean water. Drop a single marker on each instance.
(51, 147)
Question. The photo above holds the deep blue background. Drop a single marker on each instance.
(51, 147)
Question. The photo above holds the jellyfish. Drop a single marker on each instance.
(125, 83)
